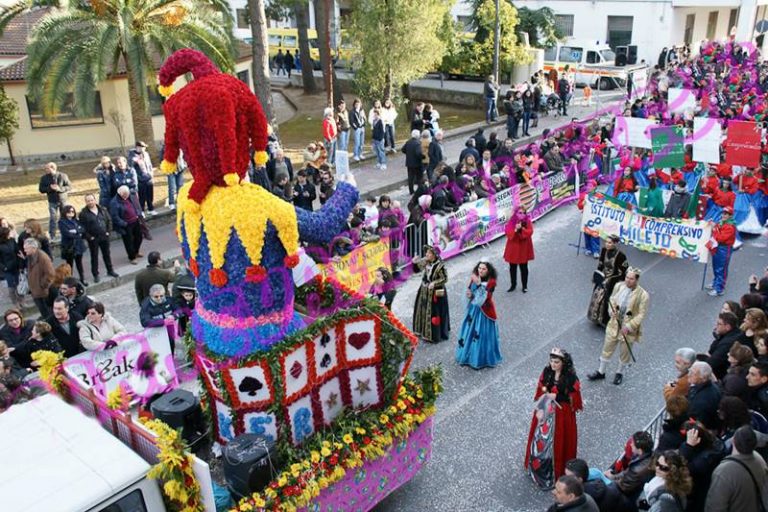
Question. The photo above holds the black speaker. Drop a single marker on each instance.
(181, 409)
(621, 55)
(632, 54)
(250, 463)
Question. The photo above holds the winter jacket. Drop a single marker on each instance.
(701, 463)
(300, 200)
(519, 247)
(377, 133)
(9, 257)
(702, 403)
(732, 490)
(55, 196)
(413, 153)
(40, 274)
(718, 352)
(72, 237)
(106, 186)
(117, 209)
(95, 338)
(678, 204)
(125, 177)
(357, 119)
(435, 154)
(330, 130)
(97, 225)
(150, 276)
(142, 165)
(69, 341)
(154, 315)
(607, 497)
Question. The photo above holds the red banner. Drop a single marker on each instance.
(742, 146)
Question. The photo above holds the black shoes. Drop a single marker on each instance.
(618, 379)
(511, 289)
(596, 376)
(96, 279)
(525, 290)
(113, 274)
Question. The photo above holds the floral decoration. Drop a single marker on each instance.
(358, 436)
(119, 399)
(50, 368)
(174, 469)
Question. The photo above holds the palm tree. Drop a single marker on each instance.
(72, 50)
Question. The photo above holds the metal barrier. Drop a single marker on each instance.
(654, 427)
(413, 238)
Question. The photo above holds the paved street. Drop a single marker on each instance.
(483, 417)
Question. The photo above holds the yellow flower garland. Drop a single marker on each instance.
(118, 399)
(50, 368)
(232, 207)
(174, 468)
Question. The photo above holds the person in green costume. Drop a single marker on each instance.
(651, 199)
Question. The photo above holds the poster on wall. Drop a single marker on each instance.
(742, 146)
(707, 137)
(633, 131)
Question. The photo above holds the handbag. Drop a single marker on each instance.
(598, 278)
(760, 497)
(146, 234)
(22, 288)
(440, 292)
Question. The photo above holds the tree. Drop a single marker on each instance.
(323, 12)
(399, 40)
(260, 47)
(9, 120)
(72, 50)
(540, 25)
(301, 13)
(477, 58)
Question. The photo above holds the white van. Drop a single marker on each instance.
(592, 63)
(55, 459)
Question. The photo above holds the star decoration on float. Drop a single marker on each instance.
(363, 386)
(333, 399)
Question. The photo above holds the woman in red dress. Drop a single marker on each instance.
(519, 248)
(547, 451)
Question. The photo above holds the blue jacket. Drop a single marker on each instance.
(116, 209)
(127, 178)
(72, 233)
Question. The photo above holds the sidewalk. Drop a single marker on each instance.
(370, 181)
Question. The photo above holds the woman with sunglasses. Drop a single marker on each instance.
(668, 489)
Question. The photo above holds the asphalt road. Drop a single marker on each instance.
(483, 417)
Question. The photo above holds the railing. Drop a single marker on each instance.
(118, 423)
(654, 427)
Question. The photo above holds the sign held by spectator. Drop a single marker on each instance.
(742, 146)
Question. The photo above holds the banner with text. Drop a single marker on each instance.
(103, 370)
(357, 269)
(604, 216)
(742, 146)
(668, 146)
(483, 221)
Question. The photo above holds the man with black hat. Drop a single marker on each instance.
(721, 246)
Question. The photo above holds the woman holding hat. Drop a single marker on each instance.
(553, 437)
(430, 313)
(479, 336)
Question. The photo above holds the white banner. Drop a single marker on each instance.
(104, 370)
(639, 83)
(707, 137)
(633, 131)
(681, 100)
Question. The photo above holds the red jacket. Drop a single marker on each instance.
(489, 308)
(747, 184)
(329, 129)
(723, 199)
(711, 185)
(724, 171)
(624, 185)
(519, 248)
(724, 233)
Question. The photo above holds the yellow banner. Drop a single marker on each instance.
(357, 268)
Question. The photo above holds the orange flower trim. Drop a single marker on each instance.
(255, 274)
(218, 277)
(291, 261)
(194, 267)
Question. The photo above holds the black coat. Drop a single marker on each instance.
(702, 403)
(18, 340)
(69, 341)
(298, 195)
(701, 463)
(413, 153)
(435, 154)
(97, 225)
(116, 209)
(272, 164)
(72, 237)
(48, 343)
(718, 352)
(607, 497)
(154, 315)
(9, 257)
(55, 196)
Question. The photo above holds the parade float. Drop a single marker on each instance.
(317, 371)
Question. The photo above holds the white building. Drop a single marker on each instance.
(650, 24)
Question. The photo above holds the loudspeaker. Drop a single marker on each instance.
(632, 54)
(621, 55)
(181, 409)
(250, 463)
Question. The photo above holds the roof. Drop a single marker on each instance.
(14, 39)
(58, 460)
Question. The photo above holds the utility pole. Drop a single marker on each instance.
(328, 7)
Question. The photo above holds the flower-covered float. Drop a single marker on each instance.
(319, 369)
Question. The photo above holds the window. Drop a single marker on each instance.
(608, 55)
(243, 20)
(565, 23)
(243, 76)
(733, 18)
(619, 31)
(274, 40)
(550, 53)
(571, 53)
(690, 21)
(290, 42)
(592, 57)
(712, 25)
(155, 101)
(66, 115)
(132, 502)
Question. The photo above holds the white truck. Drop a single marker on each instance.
(55, 459)
(592, 63)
